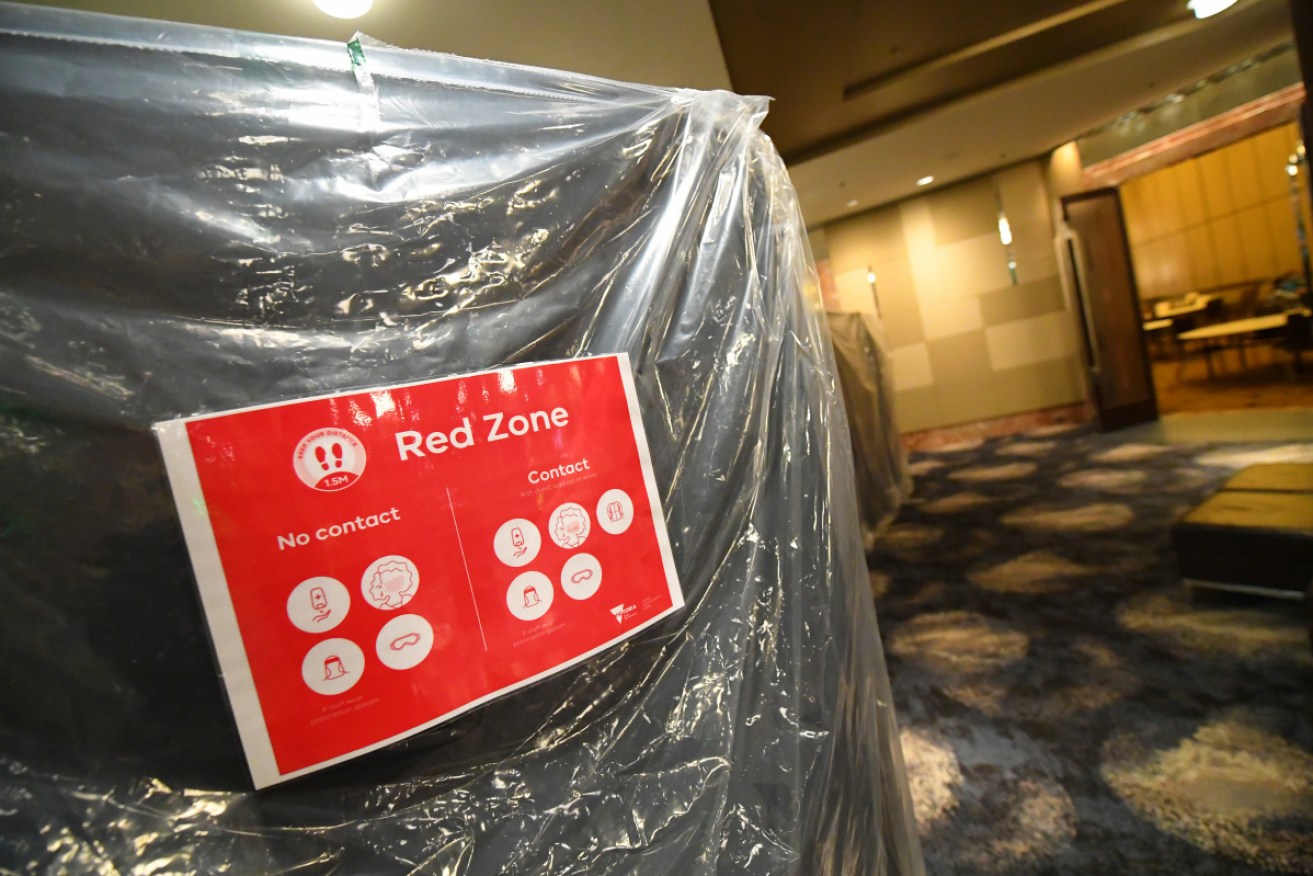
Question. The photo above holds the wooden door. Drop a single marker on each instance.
(1107, 304)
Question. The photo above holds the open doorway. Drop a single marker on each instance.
(1219, 251)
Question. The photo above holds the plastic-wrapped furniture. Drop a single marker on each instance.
(880, 462)
(195, 220)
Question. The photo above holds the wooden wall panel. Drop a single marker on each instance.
(1225, 234)
(1273, 148)
(1256, 242)
(1242, 170)
(1217, 185)
(1204, 270)
(1185, 176)
(1220, 218)
(1281, 219)
(1132, 192)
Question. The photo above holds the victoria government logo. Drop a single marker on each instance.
(329, 459)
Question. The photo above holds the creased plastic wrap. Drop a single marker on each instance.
(879, 460)
(194, 220)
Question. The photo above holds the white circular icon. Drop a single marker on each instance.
(316, 605)
(530, 595)
(390, 582)
(517, 542)
(404, 642)
(329, 459)
(333, 666)
(581, 576)
(615, 511)
(569, 525)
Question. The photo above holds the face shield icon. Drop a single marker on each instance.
(333, 668)
(530, 597)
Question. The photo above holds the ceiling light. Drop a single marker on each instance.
(925, 180)
(1205, 8)
(1004, 230)
(344, 8)
(870, 276)
(852, 203)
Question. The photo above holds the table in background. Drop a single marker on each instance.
(1236, 328)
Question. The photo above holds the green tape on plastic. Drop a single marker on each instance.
(357, 54)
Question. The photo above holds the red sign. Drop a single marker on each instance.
(374, 563)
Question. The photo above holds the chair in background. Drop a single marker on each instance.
(1297, 337)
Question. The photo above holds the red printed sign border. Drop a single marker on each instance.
(221, 613)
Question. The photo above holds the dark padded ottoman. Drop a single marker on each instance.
(1283, 477)
(1250, 541)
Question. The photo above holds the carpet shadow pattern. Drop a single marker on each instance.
(1066, 707)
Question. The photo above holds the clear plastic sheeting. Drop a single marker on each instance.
(196, 219)
(880, 462)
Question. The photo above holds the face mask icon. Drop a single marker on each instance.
(333, 668)
(530, 597)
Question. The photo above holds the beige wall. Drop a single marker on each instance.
(1220, 218)
(967, 344)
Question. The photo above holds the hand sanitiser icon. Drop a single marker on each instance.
(319, 602)
(517, 540)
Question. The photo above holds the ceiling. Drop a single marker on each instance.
(872, 96)
(869, 95)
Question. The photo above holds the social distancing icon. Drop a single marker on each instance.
(329, 459)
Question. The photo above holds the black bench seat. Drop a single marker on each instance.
(1251, 541)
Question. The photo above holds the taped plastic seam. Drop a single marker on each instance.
(184, 232)
(365, 80)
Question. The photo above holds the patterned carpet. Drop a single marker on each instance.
(1066, 708)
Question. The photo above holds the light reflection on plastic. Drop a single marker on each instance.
(358, 415)
(384, 404)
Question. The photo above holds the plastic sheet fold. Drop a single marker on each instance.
(195, 219)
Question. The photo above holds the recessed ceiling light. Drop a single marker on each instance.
(1205, 8)
(925, 180)
(344, 8)
(852, 202)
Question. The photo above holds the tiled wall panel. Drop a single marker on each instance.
(968, 342)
